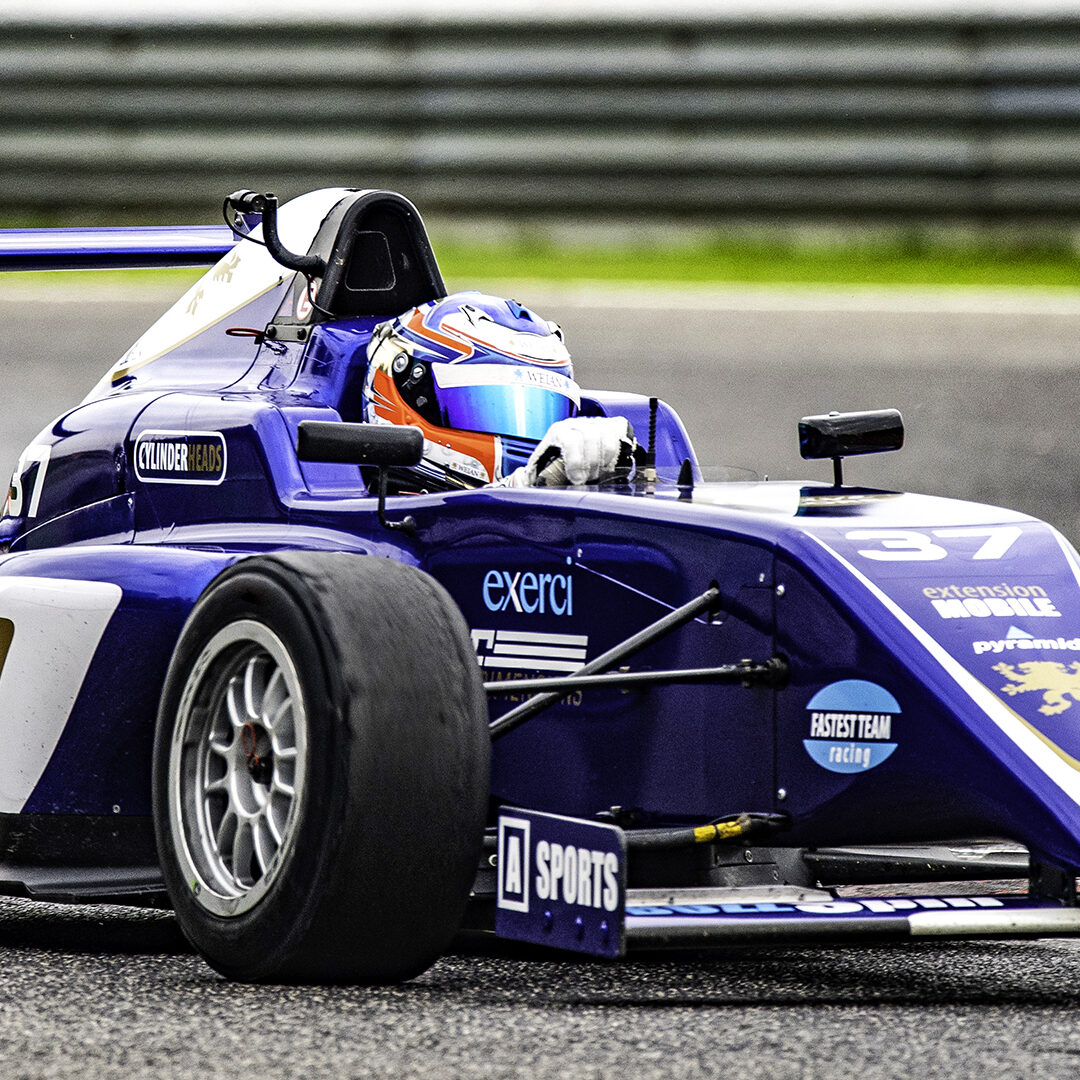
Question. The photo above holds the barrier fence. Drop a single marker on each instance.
(972, 118)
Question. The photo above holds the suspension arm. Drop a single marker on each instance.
(772, 672)
(673, 620)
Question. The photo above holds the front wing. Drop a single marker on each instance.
(561, 882)
(724, 919)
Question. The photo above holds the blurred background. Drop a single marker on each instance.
(958, 112)
(758, 209)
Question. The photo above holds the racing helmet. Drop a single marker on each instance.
(482, 377)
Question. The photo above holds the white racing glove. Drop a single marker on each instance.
(580, 450)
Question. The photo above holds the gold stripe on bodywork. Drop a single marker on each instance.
(1044, 739)
(1067, 758)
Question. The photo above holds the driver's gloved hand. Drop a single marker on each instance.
(580, 450)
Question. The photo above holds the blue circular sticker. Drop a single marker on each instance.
(851, 726)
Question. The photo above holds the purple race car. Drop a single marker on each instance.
(331, 647)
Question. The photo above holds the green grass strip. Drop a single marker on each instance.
(761, 264)
(716, 263)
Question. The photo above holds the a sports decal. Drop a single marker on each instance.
(822, 908)
(529, 591)
(561, 882)
(244, 276)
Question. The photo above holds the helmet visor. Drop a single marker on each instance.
(503, 399)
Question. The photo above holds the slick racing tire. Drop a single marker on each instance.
(320, 770)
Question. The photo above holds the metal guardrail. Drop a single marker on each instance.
(965, 118)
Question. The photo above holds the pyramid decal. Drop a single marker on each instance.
(1016, 632)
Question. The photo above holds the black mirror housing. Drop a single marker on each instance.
(838, 435)
(382, 445)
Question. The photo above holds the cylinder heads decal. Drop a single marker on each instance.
(180, 457)
(852, 726)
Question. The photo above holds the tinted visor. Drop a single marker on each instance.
(503, 399)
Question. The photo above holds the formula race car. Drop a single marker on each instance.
(335, 720)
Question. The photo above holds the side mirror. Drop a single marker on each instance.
(381, 445)
(839, 435)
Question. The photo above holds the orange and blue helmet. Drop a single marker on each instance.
(482, 377)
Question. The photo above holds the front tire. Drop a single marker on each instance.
(321, 770)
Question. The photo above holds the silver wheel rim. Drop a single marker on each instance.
(236, 768)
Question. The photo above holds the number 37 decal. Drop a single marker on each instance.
(36, 453)
(908, 545)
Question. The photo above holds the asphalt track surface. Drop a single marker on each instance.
(990, 392)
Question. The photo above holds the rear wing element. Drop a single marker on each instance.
(114, 248)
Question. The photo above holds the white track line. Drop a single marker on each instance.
(816, 298)
(648, 296)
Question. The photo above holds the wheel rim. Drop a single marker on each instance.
(236, 768)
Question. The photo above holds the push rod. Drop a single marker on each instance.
(771, 672)
(616, 655)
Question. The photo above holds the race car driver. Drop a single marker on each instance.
(491, 386)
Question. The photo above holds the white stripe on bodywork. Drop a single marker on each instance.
(58, 625)
(1024, 738)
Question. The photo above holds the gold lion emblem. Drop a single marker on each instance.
(1054, 680)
